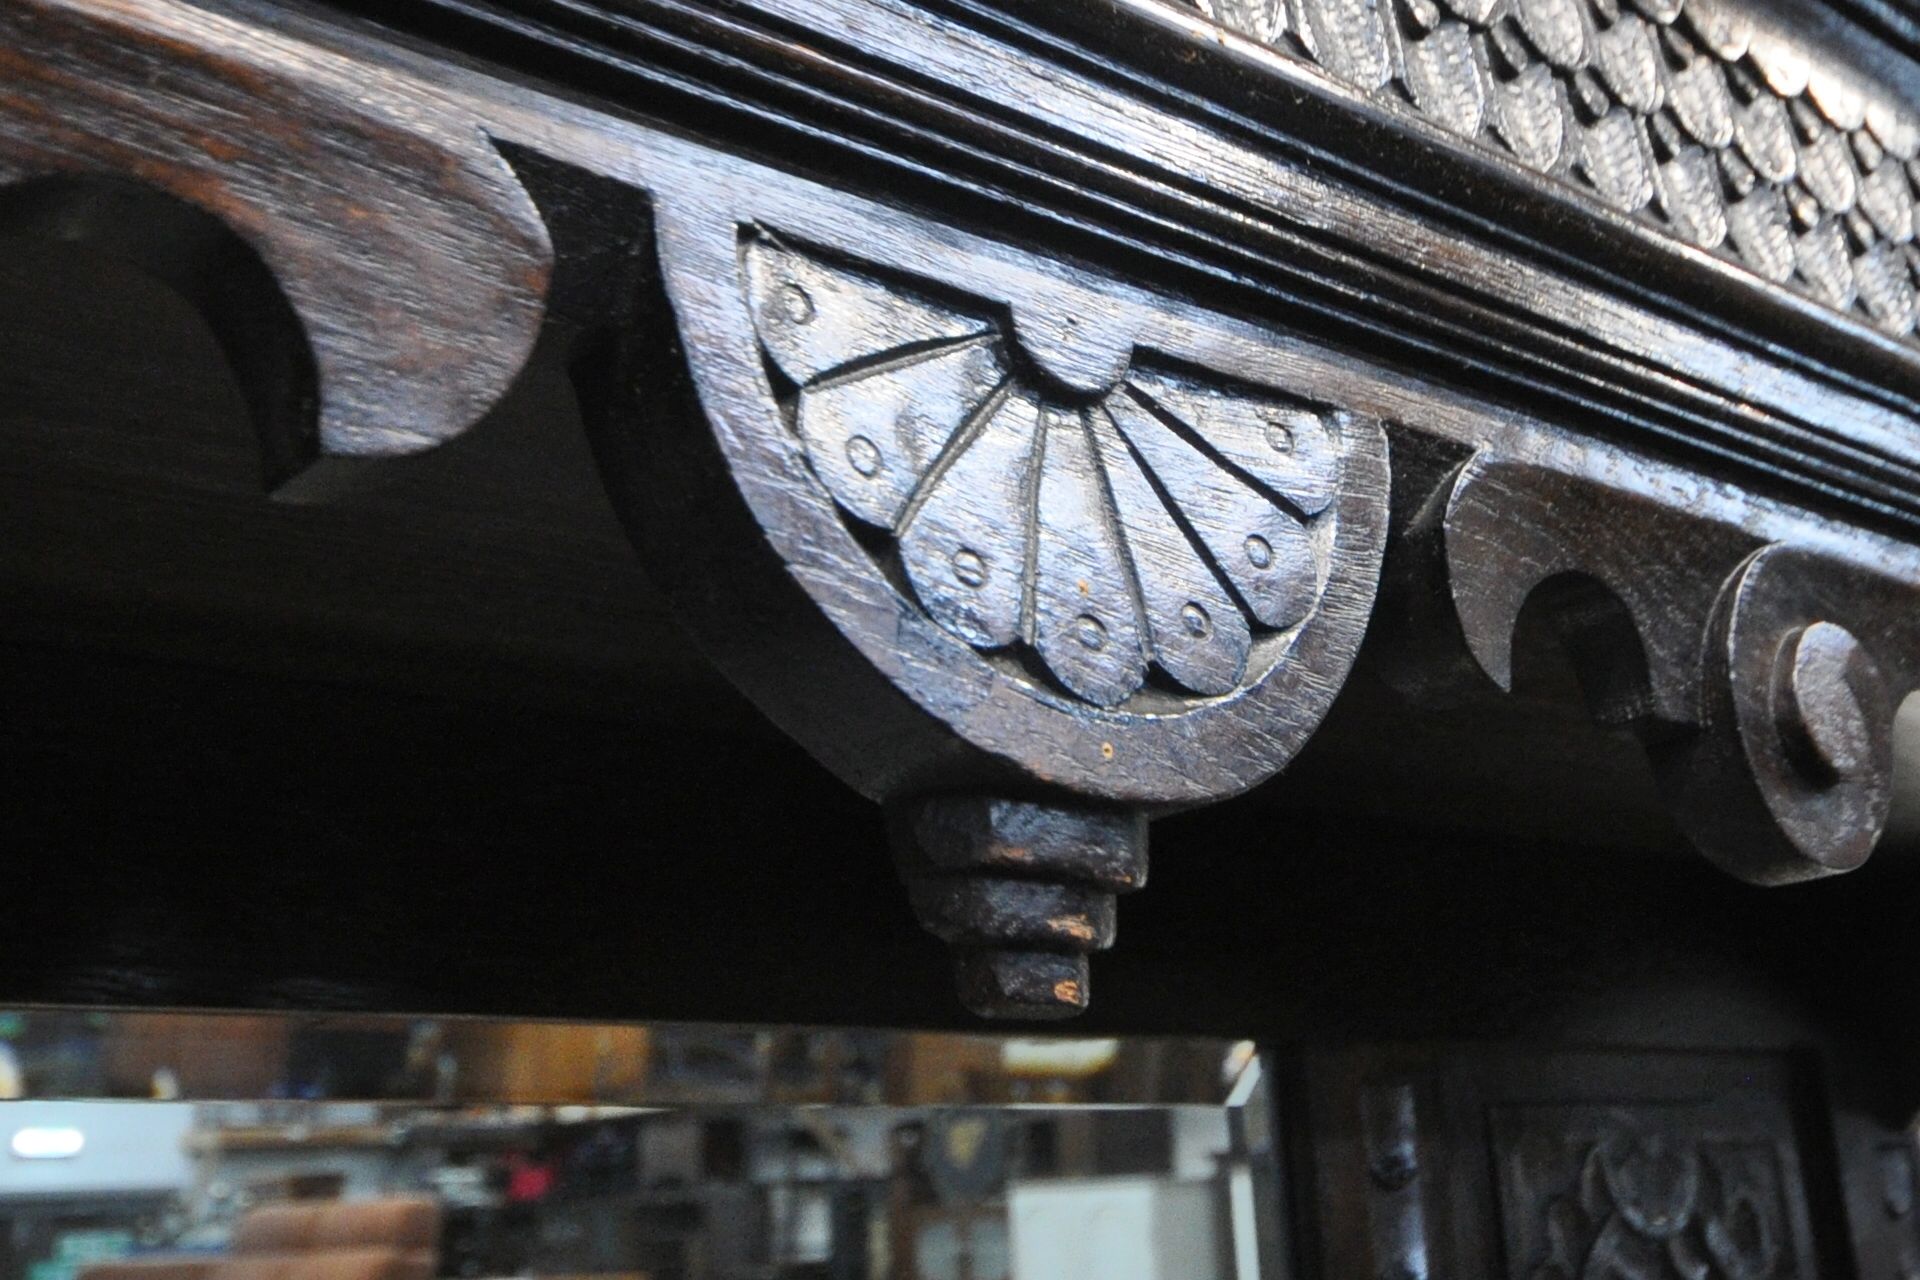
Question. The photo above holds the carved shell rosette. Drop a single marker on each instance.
(1025, 521)
(1122, 530)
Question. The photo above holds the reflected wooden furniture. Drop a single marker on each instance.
(548, 1064)
(391, 1239)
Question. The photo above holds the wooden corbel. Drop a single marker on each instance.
(1030, 465)
(367, 260)
(1024, 552)
(1762, 675)
(1020, 549)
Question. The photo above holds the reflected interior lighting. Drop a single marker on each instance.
(47, 1143)
(1067, 1059)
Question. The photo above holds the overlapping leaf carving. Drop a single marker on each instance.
(1162, 526)
(1692, 114)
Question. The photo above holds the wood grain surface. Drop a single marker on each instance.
(1022, 415)
(1140, 136)
(413, 261)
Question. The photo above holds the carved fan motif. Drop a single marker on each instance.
(1157, 520)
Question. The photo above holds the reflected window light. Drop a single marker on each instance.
(1233, 1071)
(13, 1081)
(47, 1143)
(1063, 1059)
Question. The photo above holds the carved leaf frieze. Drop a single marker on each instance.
(1117, 521)
(1693, 115)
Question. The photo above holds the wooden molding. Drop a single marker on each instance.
(1066, 501)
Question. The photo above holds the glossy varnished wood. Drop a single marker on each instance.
(1142, 136)
(1025, 412)
(1336, 433)
(400, 269)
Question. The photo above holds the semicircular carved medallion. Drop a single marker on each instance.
(1132, 532)
(1100, 538)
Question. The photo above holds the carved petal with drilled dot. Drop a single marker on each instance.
(1161, 524)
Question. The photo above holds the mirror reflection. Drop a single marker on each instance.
(180, 1147)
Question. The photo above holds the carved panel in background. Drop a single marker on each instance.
(1898, 1186)
(1648, 1192)
(1694, 115)
(1106, 514)
(1586, 1165)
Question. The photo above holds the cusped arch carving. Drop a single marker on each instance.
(416, 264)
(214, 270)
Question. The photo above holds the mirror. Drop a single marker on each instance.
(240, 1147)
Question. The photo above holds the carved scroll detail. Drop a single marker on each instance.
(1805, 663)
(413, 259)
(1763, 678)
(1697, 116)
(1104, 515)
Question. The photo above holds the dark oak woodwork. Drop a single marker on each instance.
(1434, 461)
(1024, 406)
(1261, 181)
(401, 270)
(1769, 723)
(1730, 128)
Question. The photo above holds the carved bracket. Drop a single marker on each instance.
(1020, 548)
(1057, 552)
(400, 268)
(1763, 678)
(1025, 552)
